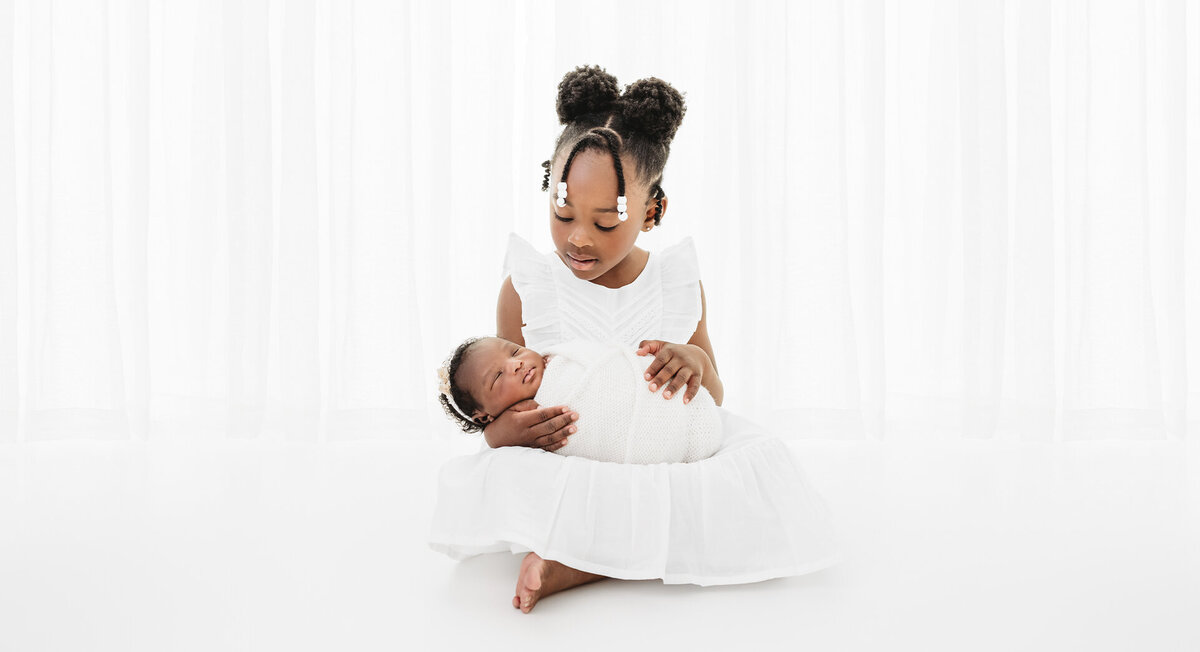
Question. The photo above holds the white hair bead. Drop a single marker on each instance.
(562, 186)
(621, 200)
(561, 202)
(622, 216)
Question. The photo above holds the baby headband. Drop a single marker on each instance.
(444, 388)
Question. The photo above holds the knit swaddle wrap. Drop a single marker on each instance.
(619, 419)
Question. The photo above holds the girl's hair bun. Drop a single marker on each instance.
(584, 91)
(653, 108)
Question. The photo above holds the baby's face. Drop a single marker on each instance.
(500, 374)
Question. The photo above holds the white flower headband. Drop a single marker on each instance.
(444, 388)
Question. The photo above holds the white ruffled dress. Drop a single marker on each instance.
(745, 514)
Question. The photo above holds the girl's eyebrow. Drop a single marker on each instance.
(598, 210)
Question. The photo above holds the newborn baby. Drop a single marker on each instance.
(619, 420)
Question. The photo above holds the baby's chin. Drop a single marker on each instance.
(536, 383)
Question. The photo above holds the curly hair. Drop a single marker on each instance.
(640, 122)
(462, 398)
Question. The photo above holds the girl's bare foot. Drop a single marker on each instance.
(540, 577)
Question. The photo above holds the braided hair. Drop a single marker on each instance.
(640, 122)
(462, 399)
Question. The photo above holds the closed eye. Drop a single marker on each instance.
(606, 229)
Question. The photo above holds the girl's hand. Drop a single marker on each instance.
(525, 424)
(675, 365)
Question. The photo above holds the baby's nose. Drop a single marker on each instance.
(514, 365)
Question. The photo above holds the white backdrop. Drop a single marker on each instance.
(274, 219)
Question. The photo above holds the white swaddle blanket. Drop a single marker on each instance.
(619, 419)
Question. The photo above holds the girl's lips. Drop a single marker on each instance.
(581, 264)
(528, 375)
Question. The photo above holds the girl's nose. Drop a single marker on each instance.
(514, 365)
(578, 239)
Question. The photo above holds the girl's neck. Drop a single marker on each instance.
(626, 271)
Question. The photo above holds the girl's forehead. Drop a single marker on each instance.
(594, 157)
(594, 170)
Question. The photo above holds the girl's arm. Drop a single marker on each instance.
(700, 338)
(692, 364)
(524, 424)
(508, 314)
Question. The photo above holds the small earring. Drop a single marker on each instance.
(622, 211)
(562, 193)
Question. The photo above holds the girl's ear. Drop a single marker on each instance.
(655, 209)
(481, 418)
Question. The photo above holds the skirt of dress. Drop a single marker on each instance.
(746, 514)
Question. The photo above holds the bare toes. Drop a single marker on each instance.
(529, 582)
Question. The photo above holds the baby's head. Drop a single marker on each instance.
(486, 376)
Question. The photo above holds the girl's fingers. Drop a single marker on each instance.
(679, 380)
(664, 375)
(555, 439)
(649, 347)
(660, 360)
(693, 388)
(549, 413)
(559, 424)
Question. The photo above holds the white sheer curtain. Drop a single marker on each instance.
(921, 219)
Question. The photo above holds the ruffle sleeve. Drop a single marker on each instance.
(533, 279)
(682, 307)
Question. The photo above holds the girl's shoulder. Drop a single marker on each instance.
(522, 256)
(532, 278)
(682, 303)
(679, 263)
(529, 269)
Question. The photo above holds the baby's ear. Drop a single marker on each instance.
(481, 418)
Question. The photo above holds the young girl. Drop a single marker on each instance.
(745, 514)
(622, 422)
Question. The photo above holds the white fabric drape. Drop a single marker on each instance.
(273, 219)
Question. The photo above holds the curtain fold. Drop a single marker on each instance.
(9, 377)
(274, 218)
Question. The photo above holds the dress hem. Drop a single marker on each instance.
(462, 551)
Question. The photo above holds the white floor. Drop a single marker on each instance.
(962, 545)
